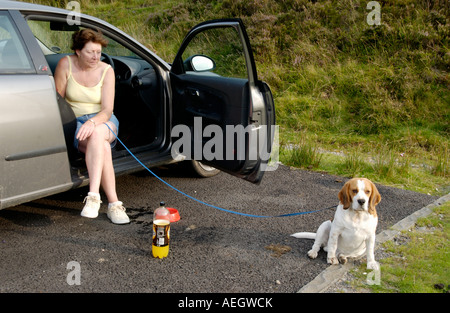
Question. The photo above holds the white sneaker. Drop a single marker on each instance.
(91, 207)
(116, 213)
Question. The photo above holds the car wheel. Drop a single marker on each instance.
(203, 170)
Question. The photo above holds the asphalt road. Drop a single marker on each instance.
(210, 250)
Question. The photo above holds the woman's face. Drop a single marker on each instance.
(89, 56)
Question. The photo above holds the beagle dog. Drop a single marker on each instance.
(352, 231)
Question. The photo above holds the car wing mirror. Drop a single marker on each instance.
(199, 63)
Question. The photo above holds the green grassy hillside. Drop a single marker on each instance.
(355, 98)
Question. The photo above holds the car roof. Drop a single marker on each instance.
(24, 6)
(39, 8)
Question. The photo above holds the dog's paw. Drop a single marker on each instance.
(332, 260)
(373, 265)
(342, 259)
(312, 254)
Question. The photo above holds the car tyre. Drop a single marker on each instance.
(203, 170)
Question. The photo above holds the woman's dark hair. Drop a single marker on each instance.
(82, 37)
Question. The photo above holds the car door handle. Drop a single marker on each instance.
(193, 92)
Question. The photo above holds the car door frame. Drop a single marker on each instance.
(259, 114)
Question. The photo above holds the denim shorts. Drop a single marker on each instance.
(83, 119)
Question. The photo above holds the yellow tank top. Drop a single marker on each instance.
(84, 100)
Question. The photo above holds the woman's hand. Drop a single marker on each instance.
(86, 130)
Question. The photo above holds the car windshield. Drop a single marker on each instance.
(57, 38)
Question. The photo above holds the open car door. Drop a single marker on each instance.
(223, 115)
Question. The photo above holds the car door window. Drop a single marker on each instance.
(223, 46)
(13, 55)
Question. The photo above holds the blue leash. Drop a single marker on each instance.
(204, 203)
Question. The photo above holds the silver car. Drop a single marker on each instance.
(213, 80)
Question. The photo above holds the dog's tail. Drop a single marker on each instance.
(304, 235)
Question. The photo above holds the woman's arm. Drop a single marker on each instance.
(61, 73)
(108, 93)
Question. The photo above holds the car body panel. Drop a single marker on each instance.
(33, 150)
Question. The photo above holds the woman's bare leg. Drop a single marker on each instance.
(97, 150)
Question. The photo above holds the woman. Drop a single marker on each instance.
(88, 85)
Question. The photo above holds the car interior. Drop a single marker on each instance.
(138, 101)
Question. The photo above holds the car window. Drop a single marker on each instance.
(224, 47)
(50, 41)
(13, 56)
(57, 38)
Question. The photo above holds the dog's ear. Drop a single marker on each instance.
(344, 195)
(374, 199)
